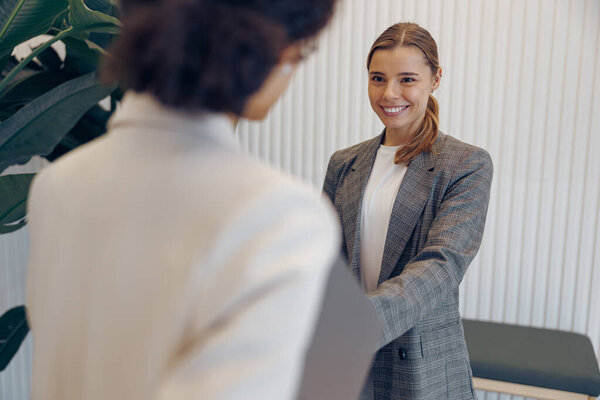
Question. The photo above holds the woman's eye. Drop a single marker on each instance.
(408, 80)
(377, 78)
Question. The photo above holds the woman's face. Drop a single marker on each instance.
(400, 81)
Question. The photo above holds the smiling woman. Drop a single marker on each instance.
(413, 203)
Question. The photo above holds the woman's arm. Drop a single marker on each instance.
(331, 177)
(452, 243)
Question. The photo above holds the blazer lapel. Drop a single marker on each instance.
(412, 196)
(354, 188)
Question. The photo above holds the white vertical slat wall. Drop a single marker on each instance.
(14, 248)
(520, 80)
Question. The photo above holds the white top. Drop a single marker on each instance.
(166, 264)
(378, 202)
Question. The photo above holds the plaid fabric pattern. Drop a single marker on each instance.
(434, 233)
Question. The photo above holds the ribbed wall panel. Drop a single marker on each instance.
(14, 248)
(520, 80)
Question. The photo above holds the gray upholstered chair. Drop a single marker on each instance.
(532, 362)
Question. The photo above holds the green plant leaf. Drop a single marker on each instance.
(4, 61)
(13, 201)
(5, 113)
(104, 6)
(13, 330)
(50, 59)
(29, 86)
(28, 60)
(85, 49)
(40, 125)
(83, 56)
(83, 18)
(21, 20)
(12, 62)
(22, 76)
(116, 97)
(61, 22)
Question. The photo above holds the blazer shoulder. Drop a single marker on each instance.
(454, 150)
(349, 153)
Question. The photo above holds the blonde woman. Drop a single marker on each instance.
(412, 203)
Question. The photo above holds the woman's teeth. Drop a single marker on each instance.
(394, 109)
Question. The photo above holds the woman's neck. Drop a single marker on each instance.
(233, 118)
(393, 137)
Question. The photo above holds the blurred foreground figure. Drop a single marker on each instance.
(165, 263)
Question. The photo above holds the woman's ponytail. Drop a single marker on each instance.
(425, 137)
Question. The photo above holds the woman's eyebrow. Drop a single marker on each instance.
(399, 74)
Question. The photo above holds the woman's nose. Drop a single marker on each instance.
(391, 91)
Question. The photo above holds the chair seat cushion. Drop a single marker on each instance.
(532, 356)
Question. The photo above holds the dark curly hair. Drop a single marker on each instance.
(208, 54)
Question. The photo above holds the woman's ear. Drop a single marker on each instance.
(436, 79)
(291, 54)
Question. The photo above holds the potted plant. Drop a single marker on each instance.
(49, 104)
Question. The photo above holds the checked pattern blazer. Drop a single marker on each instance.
(434, 233)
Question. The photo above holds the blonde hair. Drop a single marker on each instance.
(410, 34)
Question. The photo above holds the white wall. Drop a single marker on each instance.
(519, 80)
(14, 247)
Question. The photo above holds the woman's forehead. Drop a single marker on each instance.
(401, 58)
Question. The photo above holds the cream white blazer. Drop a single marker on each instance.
(166, 264)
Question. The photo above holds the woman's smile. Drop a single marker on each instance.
(394, 111)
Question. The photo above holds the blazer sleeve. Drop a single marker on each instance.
(453, 241)
(256, 302)
(331, 177)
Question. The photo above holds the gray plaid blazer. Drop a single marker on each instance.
(435, 231)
